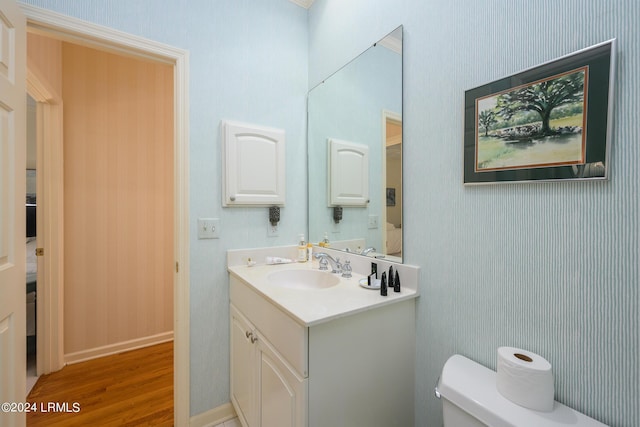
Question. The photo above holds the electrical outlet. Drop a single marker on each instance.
(208, 228)
(272, 230)
(373, 221)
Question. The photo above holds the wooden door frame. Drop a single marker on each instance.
(73, 30)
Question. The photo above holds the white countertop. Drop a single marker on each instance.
(313, 306)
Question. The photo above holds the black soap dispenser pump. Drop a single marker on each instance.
(383, 284)
(396, 283)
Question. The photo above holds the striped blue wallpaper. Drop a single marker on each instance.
(552, 268)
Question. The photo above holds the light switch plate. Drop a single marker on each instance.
(373, 221)
(208, 228)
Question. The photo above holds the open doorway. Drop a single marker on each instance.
(117, 186)
(31, 242)
(71, 30)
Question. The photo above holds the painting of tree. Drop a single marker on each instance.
(543, 97)
(540, 123)
(546, 123)
(486, 119)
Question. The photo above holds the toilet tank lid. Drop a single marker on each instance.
(472, 387)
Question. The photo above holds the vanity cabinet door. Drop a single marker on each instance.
(282, 392)
(266, 391)
(243, 368)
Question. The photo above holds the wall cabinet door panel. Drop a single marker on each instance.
(254, 165)
(348, 173)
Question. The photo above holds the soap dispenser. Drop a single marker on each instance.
(309, 252)
(302, 249)
(325, 242)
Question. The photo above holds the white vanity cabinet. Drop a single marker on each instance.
(265, 390)
(356, 370)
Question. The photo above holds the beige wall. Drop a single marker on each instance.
(118, 186)
(44, 58)
(45, 55)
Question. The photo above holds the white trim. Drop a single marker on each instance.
(73, 30)
(88, 34)
(121, 347)
(181, 288)
(39, 88)
(214, 416)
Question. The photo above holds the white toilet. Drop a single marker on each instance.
(470, 399)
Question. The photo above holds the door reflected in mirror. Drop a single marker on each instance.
(392, 233)
(359, 105)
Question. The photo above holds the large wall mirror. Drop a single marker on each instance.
(355, 154)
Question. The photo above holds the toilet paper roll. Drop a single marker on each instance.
(525, 378)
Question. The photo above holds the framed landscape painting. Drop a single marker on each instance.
(547, 123)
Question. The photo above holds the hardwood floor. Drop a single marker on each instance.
(134, 388)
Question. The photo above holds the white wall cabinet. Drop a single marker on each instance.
(253, 159)
(356, 370)
(348, 173)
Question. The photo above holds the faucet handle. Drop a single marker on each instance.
(346, 269)
(323, 263)
(338, 266)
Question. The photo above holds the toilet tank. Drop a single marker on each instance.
(470, 399)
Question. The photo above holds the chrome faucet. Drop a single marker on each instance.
(366, 251)
(336, 267)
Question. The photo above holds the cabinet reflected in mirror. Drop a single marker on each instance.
(360, 104)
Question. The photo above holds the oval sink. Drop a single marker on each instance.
(303, 279)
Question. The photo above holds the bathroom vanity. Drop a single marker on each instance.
(328, 354)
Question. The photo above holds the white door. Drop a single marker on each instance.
(12, 210)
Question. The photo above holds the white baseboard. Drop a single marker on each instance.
(213, 417)
(107, 350)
